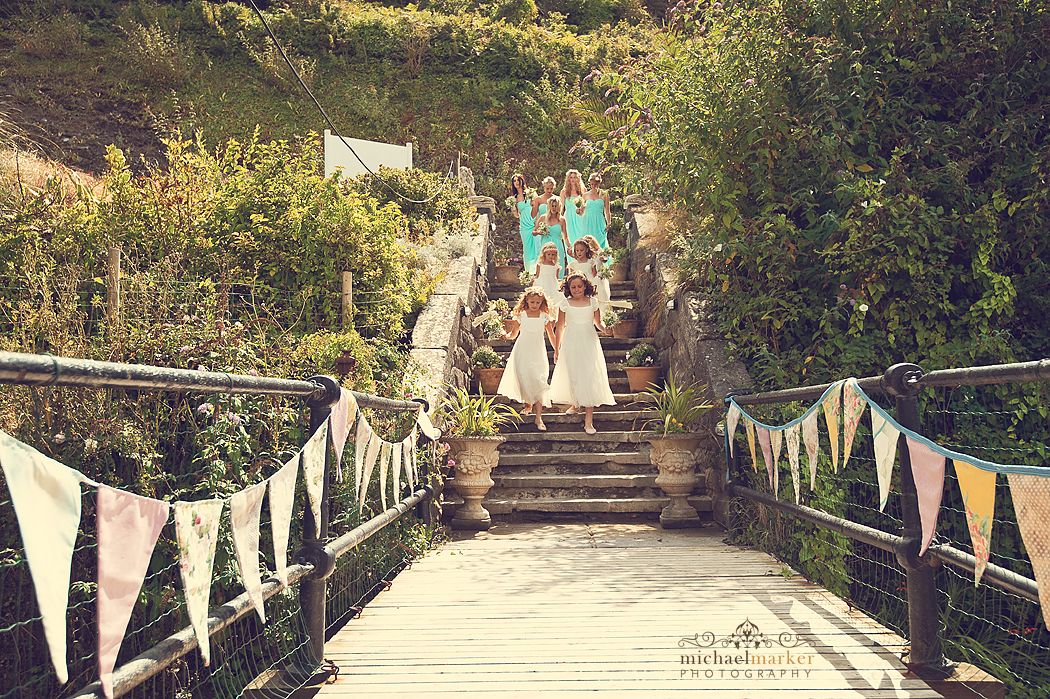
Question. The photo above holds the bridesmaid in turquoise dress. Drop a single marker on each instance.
(539, 210)
(556, 233)
(572, 197)
(522, 212)
(597, 215)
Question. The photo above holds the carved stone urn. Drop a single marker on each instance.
(675, 457)
(475, 457)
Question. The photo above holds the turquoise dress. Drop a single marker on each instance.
(573, 221)
(553, 237)
(530, 255)
(594, 221)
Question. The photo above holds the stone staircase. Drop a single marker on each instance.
(564, 474)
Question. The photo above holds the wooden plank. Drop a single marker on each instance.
(545, 610)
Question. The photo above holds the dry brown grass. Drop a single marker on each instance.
(25, 175)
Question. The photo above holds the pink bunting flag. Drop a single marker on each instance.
(313, 472)
(809, 437)
(128, 527)
(282, 497)
(767, 453)
(1031, 496)
(776, 441)
(196, 532)
(749, 427)
(371, 453)
(853, 405)
(46, 498)
(245, 511)
(886, 436)
(342, 416)
(791, 435)
(831, 415)
(361, 442)
(732, 418)
(978, 493)
(927, 468)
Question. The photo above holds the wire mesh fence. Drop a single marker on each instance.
(999, 631)
(169, 446)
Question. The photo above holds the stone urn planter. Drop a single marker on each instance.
(475, 457)
(619, 271)
(625, 329)
(675, 457)
(639, 377)
(507, 274)
(488, 379)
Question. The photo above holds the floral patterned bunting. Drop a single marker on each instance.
(767, 453)
(853, 405)
(809, 436)
(792, 435)
(831, 414)
(927, 468)
(371, 453)
(732, 417)
(1031, 496)
(313, 472)
(342, 416)
(978, 494)
(196, 531)
(245, 511)
(885, 436)
(384, 462)
(46, 498)
(282, 495)
(776, 442)
(749, 426)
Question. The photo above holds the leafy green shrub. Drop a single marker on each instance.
(444, 203)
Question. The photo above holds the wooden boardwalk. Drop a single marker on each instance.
(564, 610)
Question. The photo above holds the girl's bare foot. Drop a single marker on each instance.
(527, 409)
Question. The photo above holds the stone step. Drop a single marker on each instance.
(555, 462)
(578, 436)
(623, 400)
(613, 357)
(622, 344)
(567, 481)
(617, 384)
(582, 507)
(507, 290)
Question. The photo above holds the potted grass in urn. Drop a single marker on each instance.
(471, 425)
(674, 441)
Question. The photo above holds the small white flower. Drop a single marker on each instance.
(59, 438)
(863, 308)
(90, 446)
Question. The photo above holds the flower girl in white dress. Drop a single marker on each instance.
(525, 378)
(547, 271)
(580, 375)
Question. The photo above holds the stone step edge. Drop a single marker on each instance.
(702, 503)
(623, 458)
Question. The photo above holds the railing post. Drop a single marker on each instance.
(313, 590)
(926, 656)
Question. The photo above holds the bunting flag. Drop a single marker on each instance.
(46, 498)
(809, 436)
(776, 441)
(361, 442)
(128, 527)
(196, 531)
(395, 468)
(927, 468)
(978, 494)
(749, 426)
(313, 472)
(408, 451)
(792, 435)
(371, 453)
(767, 453)
(853, 405)
(282, 496)
(384, 461)
(886, 436)
(732, 417)
(342, 416)
(831, 415)
(1031, 496)
(423, 420)
(245, 511)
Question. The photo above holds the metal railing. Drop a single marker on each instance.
(317, 557)
(903, 383)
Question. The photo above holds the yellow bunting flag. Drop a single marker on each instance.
(831, 414)
(978, 493)
(750, 427)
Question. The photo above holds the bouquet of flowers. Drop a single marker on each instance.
(511, 202)
(543, 227)
(581, 205)
(605, 272)
(525, 278)
(492, 319)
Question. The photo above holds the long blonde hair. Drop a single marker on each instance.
(523, 302)
(552, 203)
(578, 185)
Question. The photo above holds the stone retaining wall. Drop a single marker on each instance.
(688, 339)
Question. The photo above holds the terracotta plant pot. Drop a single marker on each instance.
(475, 458)
(488, 379)
(507, 274)
(639, 377)
(619, 270)
(626, 328)
(675, 457)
